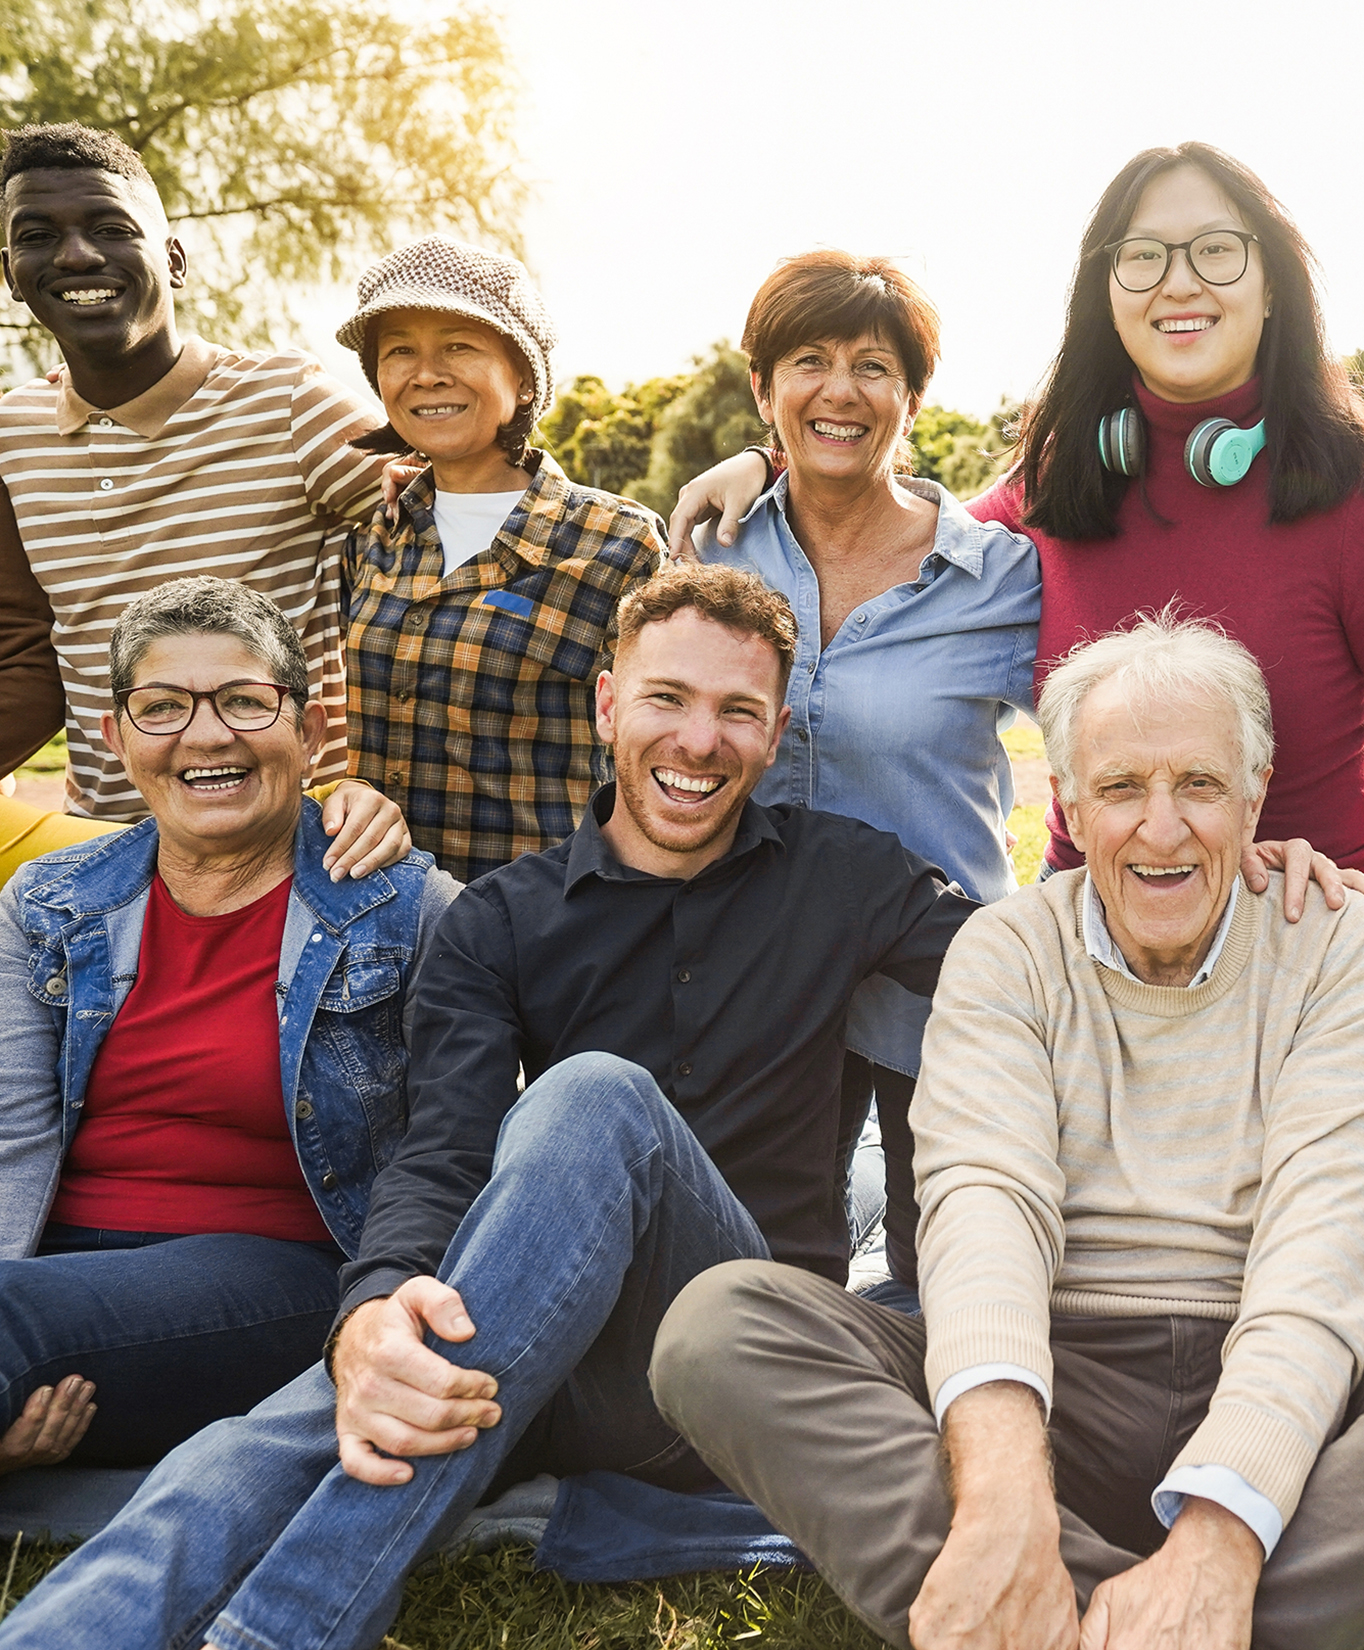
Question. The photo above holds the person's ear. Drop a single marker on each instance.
(1252, 819)
(178, 262)
(778, 728)
(1073, 826)
(111, 733)
(761, 398)
(9, 278)
(606, 708)
(312, 726)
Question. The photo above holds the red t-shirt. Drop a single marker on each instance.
(183, 1127)
(1292, 593)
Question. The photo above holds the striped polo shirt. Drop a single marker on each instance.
(234, 464)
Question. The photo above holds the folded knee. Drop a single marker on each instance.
(704, 1346)
(593, 1094)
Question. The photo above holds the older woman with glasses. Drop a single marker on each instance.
(202, 1055)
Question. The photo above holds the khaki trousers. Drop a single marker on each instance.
(813, 1404)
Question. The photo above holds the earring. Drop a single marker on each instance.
(525, 395)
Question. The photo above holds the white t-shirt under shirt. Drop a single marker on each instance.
(469, 522)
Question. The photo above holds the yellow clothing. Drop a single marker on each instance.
(26, 832)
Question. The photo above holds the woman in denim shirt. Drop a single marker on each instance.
(918, 626)
(202, 1055)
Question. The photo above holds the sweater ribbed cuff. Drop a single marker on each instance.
(1270, 1454)
(986, 1335)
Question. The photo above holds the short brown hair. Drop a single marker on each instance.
(835, 295)
(738, 600)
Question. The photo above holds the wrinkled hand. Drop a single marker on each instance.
(399, 474)
(1196, 1593)
(1300, 864)
(397, 1395)
(998, 1583)
(369, 830)
(726, 490)
(53, 1422)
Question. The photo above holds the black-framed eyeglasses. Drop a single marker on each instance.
(244, 707)
(1218, 258)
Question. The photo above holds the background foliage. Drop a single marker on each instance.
(290, 140)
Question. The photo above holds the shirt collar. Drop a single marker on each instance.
(959, 538)
(149, 413)
(588, 854)
(529, 531)
(1099, 942)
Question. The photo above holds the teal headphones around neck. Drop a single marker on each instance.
(1218, 453)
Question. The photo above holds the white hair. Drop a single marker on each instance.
(1160, 657)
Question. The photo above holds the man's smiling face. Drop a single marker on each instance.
(1162, 818)
(90, 253)
(694, 712)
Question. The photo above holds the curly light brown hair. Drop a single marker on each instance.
(740, 601)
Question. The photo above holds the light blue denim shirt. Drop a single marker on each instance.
(897, 721)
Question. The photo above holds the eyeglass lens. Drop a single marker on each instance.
(1217, 258)
(243, 706)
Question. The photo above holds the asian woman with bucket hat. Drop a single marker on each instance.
(480, 618)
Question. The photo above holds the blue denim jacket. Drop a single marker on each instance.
(70, 936)
(897, 721)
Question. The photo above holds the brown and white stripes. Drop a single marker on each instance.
(235, 465)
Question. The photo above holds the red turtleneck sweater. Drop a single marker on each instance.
(1293, 594)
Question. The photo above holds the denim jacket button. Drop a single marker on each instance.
(304, 1108)
(56, 985)
(329, 1181)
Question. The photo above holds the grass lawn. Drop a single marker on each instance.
(496, 1601)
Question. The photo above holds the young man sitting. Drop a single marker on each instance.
(1140, 1163)
(674, 980)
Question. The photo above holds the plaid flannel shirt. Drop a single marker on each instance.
(471, 699)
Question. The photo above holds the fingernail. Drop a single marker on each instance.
(359, 870)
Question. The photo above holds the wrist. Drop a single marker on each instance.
(343, 1331)
(1206, 1528)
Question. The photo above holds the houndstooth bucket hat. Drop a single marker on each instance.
(441, 273)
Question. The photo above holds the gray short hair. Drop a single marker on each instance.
(209, 607)
(1160, 656)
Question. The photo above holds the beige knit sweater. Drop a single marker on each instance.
(1088, 1145)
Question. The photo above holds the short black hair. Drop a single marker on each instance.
(70, 147)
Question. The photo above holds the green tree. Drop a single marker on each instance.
(290, 140)
(961, 452)
(603, 439)
(1354, 365)
(712, 418)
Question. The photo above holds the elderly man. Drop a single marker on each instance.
(1140, 1164)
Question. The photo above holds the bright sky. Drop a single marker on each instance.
(678, 150)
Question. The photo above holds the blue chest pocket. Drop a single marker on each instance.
(509, 602)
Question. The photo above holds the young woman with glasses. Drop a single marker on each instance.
(1193, 338)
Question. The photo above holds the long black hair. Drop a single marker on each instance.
(1314, 420)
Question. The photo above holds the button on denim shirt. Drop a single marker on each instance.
(70, 937)
(897, 721)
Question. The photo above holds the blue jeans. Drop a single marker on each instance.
(602, 1205)
(174, 1331)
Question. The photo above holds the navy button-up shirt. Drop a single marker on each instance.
(897, 721)
(731, 988)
